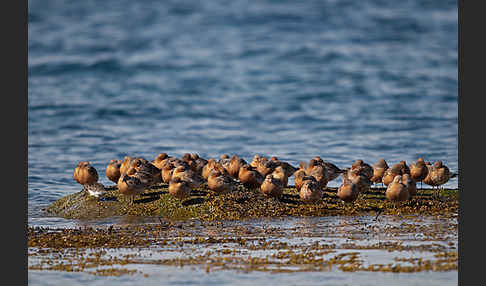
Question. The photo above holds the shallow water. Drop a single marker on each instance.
(339, 79)
(300, 235)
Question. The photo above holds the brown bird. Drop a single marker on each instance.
(179, 188)
(85, 174)
(235, 165)
(131, 185)
(439, 174)
(166, 172)
(221, 183)
(186, 174)
(280, 174)
(311, 191)
(142, 165)
(419, 171)
(160, 159)
(125, 165)
(257, 160)
(358, 177)
(410, 184)
(405, 169)
(144, 177)
(319, 173)
(198, 163)
(331, 170)
(250, 177)
(397, 169)
(272, 187)
(397, 191)
(113, 170)
(379, 171)
(224, 160)
(365, 168)
(299, 176)
(267, 167)
(212, 165)
(289, 169)
(348, 192)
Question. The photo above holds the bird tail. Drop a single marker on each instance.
(454, 175)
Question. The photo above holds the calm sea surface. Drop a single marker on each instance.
(294, 79)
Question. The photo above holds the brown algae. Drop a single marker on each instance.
(246, 204)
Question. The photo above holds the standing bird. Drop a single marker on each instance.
(395, 170)
(272, 187)
(419, 171)
(311, 191)
(319, 173)
(299, 176)
(131, 185)
(198, 163)
(221, 183)
(410, 184)
(160, 160)
(234, 166)
(439, 174)
(280, 174)
(379, 171)
(250, 177)
(95, 189)
(142, 165)
(113, 170)
(125, 165)
(85, 174)
(358, 177)
(179, 188)
(348, 191)
(186, 174)
(365, 168)
(397, 191)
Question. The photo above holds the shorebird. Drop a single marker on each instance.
(299, 176)
(397, 191)
(348, 192)
(379, 171)
(439, 174)
(410, 184)
(397, 169)
(179, 188)
(250, 177)
(95, 189)
(113, 170)
(358, 177)
(186, 174)
(319, 173)
(311, 191)
(280, 174)
(85, 174)
(419, 171)
(131, 185)
(125, 165)
(235, 165)
(160, 160)
(142, 165)
(272, 187)
(331, 170)
(198, 163)
(365, 168)
(221, 183)
(267, 167)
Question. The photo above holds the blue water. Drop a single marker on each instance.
(294, 79)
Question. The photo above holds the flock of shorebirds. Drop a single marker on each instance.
(133, 175)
